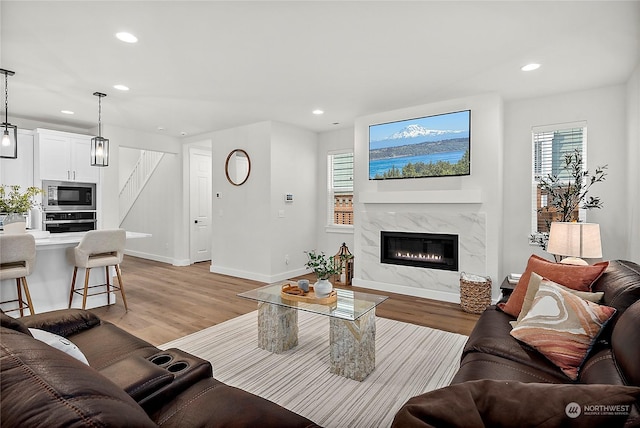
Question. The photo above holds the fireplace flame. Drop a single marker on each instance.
(418, 256)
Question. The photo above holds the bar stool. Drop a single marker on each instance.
(17, 258)
(98, 248)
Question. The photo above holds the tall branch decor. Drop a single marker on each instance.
(565, 196)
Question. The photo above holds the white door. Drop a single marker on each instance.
(200, 205)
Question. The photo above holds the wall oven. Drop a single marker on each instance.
(68, 196)
(74, 221)
(68, 206)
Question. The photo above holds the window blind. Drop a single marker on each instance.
(340, 189)
(550, 144)
(342, 167)
(550, 148)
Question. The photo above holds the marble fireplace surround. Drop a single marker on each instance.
(471, 228)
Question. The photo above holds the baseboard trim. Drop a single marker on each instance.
(409, 291)
(254, 276)
(412, 291)
(239, 273)
(157, 258)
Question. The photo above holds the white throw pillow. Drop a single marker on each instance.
(59, 342)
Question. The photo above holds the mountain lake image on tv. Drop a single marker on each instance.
(432, 146)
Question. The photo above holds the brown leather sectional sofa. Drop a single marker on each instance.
(128, 382)
(503, 382)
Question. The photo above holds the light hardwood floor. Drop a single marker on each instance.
(167, 302)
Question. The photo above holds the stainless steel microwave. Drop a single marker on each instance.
(68, 196)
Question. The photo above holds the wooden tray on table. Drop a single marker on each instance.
(291, 291)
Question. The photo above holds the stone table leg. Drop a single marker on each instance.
(277, 327)
(353, 346)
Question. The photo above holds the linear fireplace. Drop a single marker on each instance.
(427, 250)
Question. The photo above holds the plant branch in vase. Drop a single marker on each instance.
(565, 196)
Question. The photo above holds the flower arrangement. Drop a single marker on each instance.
(322, 265)
(14, 201)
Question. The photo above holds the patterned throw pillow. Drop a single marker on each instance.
(534, 285)
(562, 327)
(576, 277)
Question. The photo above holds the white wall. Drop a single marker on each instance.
(159, 210)
(126, 162)
(293, 170)
(19, 171)
(155, 211)
(633, 162)
(327, 239)
(250, 239)
(240, 221)
(604, 109)
(29, 124)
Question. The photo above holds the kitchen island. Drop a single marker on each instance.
(50, 280)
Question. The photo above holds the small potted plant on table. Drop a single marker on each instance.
(324, 267)
(15, 206)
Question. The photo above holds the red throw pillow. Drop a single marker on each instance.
(571, 276)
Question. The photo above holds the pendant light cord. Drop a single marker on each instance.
(6, 103)
(99, 116)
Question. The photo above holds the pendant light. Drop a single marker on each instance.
(9, 144)
(99, 145)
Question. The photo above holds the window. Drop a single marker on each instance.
(550, 146)
(340, 188)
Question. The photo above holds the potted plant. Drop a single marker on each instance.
(324, 267)
(565, 196)
(15, 205)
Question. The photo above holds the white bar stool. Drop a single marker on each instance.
(17, 259)
(98, 248)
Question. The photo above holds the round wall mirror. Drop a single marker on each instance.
(237, 167)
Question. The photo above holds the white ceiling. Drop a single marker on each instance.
(207, 65)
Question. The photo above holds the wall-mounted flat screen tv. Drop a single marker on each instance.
(432, 146)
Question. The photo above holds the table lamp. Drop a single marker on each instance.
(574, 241)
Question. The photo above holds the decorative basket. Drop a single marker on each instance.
(475, 293)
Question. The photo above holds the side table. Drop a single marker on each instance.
(506, 289)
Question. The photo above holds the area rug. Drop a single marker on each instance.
(410, 360)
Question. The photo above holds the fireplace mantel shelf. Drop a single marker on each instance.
(471, 196)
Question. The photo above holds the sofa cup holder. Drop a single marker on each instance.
(178, 366)
(161, 359)
(175, 361)
(187, 369)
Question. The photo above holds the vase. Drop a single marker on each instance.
(14, 223)
(322, 288)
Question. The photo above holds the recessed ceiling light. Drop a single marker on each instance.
(66, 112)
(530, 67)
(126, 37)
(318, 111)
(160, 128)
(121, 87)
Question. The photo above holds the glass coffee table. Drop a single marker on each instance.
(352, 326)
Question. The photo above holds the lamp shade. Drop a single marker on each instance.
(99, 151)
(9, 145)
(99, 145)
(575, 240)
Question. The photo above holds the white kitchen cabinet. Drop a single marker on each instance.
(81, 161)
(64, 156)
(19, 171)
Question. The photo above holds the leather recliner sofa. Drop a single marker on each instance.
(128, 382)
(504, 382)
